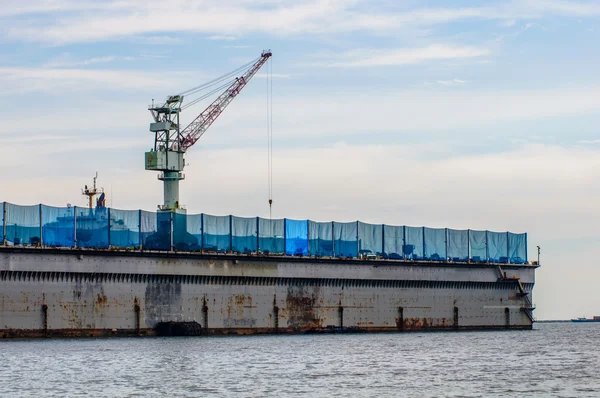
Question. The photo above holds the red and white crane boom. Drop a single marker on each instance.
(170, 143)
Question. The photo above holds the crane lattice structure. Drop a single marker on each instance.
(171, 143)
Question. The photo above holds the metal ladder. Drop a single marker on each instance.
(526, 304)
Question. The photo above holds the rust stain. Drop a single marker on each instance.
(101, 300)
(301, 311)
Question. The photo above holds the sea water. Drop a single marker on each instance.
(554, 359)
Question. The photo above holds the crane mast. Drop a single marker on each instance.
(171, 143)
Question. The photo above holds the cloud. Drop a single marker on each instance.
(221, 37)
(25, 80)
(390, 57)
(66, 60)
(453, 82)
(589, 141)
(86, 21)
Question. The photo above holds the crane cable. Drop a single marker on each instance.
(218, 79)
(270, 133)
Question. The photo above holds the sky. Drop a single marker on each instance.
(460, 114)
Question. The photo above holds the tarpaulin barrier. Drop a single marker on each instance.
(517, 248)
(183, 239)
(271, 235)
(91, 227)
(413, 245)
(296, 237)
(124, 228)
(194, 231)
(370, 239)
(155, 230)
(458, 245)
(497, 247)
(133, 229)
(216, 233)
(345, 239)
(393, 242)
(23, 224)
(434, 244)
(478, 245)
(243, 234)
(320, 236)
(58, 226)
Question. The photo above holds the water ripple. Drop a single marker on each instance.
(554, 360)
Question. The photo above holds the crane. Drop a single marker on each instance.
(171, 142)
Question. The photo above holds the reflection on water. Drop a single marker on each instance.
(553, 360)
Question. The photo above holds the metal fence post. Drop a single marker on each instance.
(424, 249)
(446, 237)
(333, 238)
(285, 236)
(487, 247)
(468, 245)
(403, 242)
(172, 229)
(357, 241)
(202, 231)
(308, 237)
(140, 245)
(230, 233)
(74, 226)
(257, 234)
(526, 250)
(108, 214)
(4, 223)
(507, 248)
(41, 228)
(382, 240)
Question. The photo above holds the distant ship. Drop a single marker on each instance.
(594, 319)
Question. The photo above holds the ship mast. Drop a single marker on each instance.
(92, 192)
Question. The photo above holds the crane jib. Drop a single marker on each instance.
(198, 126)
(170, 143)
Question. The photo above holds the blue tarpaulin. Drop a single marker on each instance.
(345, 242)
(271, 234)
(370, 238)
(435, 244)
(296, 237)
(458, 245)
(91, 227)
(413, 248)
(244, 237)
(22, 224)
(320, 235)
(125, 228)
(131, 229)
(517, 248)
(497, 246)
(216, 233)
(478, 244)
(58, 226)
(393, 242)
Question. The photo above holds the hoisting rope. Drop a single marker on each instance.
(270, 134)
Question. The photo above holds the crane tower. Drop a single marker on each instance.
(171, 142)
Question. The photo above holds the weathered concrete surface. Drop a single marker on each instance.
(82, 293)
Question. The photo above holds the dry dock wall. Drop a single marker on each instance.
(48, 292)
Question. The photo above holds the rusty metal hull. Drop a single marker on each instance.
(79, 293)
